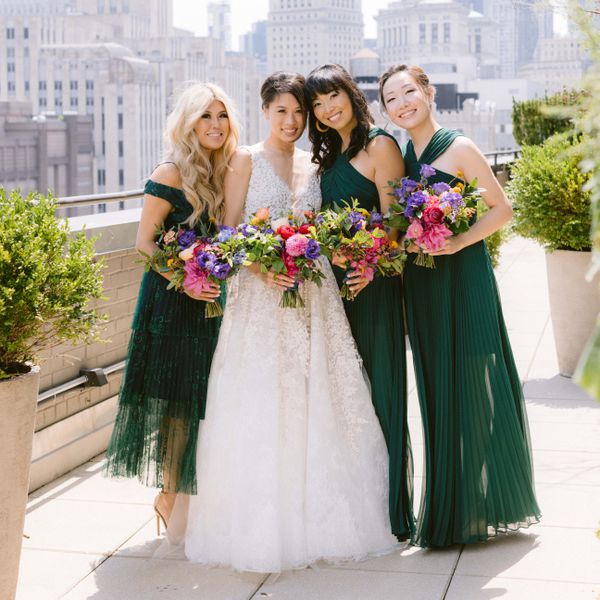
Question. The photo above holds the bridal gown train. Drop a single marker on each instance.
(292, 465)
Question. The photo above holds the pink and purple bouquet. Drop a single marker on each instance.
(428, 214)
(195, 260)
(358, 238)
(287, 245)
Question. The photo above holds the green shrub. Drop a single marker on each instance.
(47, 279)
(534, 121)
(546, 192)
(496, 239)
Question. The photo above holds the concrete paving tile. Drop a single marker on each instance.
(341, 584)
(557, 410)
(570, 437)
(145, 543)
(96, 527)
(573, 468)
(409, 560)
(46, 575)
(569, 505)
(484, 588)
(146, 579)
(543, 553)
(89, 483)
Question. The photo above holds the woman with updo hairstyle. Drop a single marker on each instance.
(291, 465)
(163, 394)
(478, 467)
(356, 161)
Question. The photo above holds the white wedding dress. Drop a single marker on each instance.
(292, 466)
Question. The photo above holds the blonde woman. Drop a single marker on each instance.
(163, 394)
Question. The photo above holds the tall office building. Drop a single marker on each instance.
(302, 34)
(219, 22)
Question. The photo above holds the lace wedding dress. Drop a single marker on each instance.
(292, 466)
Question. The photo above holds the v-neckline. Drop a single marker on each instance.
(420, 158)
(295, 196)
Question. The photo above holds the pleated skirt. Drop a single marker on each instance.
(478, 464)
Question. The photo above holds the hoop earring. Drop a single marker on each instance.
(318, 125)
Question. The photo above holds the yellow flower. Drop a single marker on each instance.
(255, 221)
(393, 244)
(170, 262)
(460, 174)
(459, 187)
(363, 212)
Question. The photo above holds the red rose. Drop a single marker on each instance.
(433, 215)
(286, 231)
(304, 228)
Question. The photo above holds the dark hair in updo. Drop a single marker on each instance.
(415, 72)
(283, 82)
(327, 146)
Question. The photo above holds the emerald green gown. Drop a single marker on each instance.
(377, 323)
(478, 466)
(163, 393)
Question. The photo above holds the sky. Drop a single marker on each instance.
(191, 15)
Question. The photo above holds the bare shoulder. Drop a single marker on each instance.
(382, 147)
(167, 174)
(241, 161)
(465, 147)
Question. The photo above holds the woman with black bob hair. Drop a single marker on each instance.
(356, 160)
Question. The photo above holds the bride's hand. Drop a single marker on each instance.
(356, 282)
(339, 260)
(276, 280)
(207, 295)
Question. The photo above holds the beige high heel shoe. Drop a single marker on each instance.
(159, 516)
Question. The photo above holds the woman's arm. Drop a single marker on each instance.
(469, 159)
(154, 213)
(235, 186)
(386, 158)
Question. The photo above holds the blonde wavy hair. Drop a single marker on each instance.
(201, 177)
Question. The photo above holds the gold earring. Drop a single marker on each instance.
(318, 125)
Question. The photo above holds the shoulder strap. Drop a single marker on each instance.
(438, 144)
(377, 131)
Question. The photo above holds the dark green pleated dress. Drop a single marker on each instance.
(163, 394)
(478, 467)
(377, 325)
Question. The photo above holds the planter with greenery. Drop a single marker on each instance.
(551, 207)
(47, 279)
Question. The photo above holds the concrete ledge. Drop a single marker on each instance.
(61, 447)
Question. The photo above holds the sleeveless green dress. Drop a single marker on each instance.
(163, 393)
(377, 323)
(478, 466)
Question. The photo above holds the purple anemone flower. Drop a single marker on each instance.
(427, 171)
(313, 250)
(221, 270)
(225, 233)
(440, 187)
(186, 238)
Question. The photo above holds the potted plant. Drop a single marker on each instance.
(47, 279)
(552, 206)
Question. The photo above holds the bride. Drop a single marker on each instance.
(291, 462)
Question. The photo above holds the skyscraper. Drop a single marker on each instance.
(302, 34)
(219, 22)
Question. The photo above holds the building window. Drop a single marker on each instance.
(120, 148)
(42, 85)
(121, 177)
(11, 86)
(89, 84)
(446, 33)
(422, 34)
(73, 84)
(58, 86)
(10, 67)
(74, 102)
(434, 33)
(26, 87)
(26, 33)
(10, 53)
(120, 120)
(10, 33)
(120, 100)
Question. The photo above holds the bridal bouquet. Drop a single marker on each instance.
(197, 260)
(286, 245)
(358, 238)
(429, 214)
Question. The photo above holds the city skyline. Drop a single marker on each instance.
(193, 16)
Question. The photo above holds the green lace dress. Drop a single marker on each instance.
(377, 324)
(478, 467)
(163, 393)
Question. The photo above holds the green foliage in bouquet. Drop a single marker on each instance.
(547, 191)
(534, 121)
(47, 279)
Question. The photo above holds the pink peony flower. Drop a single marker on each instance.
(433, 214)
(196, 279)
(434, 236)
(290, 265)
(296, 245)
(415, 230)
